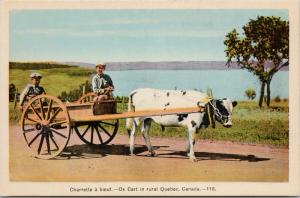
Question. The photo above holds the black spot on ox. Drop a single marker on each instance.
(182, 117)
(223, 111)
(193, 123)
(221, 108)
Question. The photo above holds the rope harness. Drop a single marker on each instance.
(213, 112)
(222, 118)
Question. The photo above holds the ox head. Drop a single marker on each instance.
(222, 110)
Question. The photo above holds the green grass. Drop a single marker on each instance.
(250, 123)
(14, 114)
(54, 81)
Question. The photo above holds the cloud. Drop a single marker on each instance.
(56, 32)
(124, 21)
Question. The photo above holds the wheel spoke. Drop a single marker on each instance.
(49, 110)
(57, 123)
(33, 120)
(99, 136)
(55, 114)
(52, 139)
(48, 144)
(92, 134)
(36, 113)
(107, 123)
(105, 131)
(41, 144)
(58, 132)
(34, 139)
(28, 130)
(42, 108)
(86, 130)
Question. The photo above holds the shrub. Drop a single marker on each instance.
(13, 91)
(75, 94)
(80, 73)
(122, 99)
(277, 99)
(250, 93)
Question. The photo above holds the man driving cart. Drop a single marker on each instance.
(102, 84)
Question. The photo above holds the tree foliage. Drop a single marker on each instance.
(37, 65)
(262, 49)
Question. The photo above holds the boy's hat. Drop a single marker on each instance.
(35, 75)
(101, 65)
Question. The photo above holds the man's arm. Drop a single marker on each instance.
(110, 82)
(24, 94)
(43, 90)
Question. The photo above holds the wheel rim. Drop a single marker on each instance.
(97, 133)
(87, 98)
(46, 126)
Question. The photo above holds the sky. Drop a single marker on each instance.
(96, 36)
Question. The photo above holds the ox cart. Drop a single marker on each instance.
(47, 123)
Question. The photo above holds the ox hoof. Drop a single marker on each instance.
(132, 154)
(153, 154)
(193, 159)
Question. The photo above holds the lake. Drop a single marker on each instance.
(224, 83)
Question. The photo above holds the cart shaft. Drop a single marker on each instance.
(144, 113)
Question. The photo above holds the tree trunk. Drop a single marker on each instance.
(262, 92)
(268, 93)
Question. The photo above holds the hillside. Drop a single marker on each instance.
(119, 66)
(164, 65)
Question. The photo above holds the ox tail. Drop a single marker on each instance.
(129, 121)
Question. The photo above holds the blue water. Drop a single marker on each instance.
(224, 83)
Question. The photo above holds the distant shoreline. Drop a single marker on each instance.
(165, 65)
(127, 66)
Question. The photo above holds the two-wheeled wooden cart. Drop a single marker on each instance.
(47, 123)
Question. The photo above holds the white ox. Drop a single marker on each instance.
(147, 99)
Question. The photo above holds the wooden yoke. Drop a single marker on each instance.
(210, 110)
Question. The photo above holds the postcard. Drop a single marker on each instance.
(156, 98)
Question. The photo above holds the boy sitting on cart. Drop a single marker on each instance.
(32, 90)
(102, 84)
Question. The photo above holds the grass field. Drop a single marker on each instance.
(54, 80)
(250, 124)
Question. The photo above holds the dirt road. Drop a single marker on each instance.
(217, 161)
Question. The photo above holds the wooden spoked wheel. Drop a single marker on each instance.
(97, 133)
(46, 126)
(87, 98)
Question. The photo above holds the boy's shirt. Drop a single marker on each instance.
(31, 90)
(99, 82)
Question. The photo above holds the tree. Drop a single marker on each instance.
(262, 49)
(250, 93)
